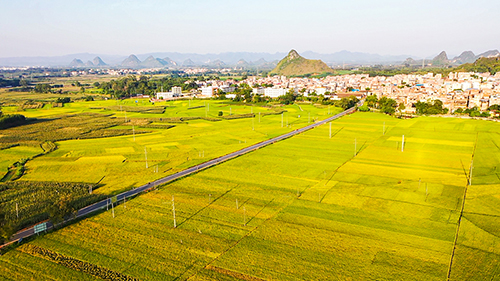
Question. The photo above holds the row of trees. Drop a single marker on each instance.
(11, 120)
(9, 82)
(475, 112)
(431, 107)
(244, 93)
(390, 106)
(131, 85)
(384, 104)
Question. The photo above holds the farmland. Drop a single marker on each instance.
(185, 134)
(118, 145)
(356, 206)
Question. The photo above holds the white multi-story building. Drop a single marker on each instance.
(207, 91)
(177, 91)
(258, 91)
(274, 92)
(164, 95)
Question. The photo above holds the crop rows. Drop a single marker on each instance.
(75, 264)
(79, 126)
(23, 203)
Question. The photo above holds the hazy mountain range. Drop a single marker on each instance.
(227, 59)
(442, 59)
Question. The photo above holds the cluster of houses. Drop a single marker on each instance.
(457, 90)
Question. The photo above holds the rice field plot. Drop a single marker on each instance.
(12, 154)
(143, 242)
(477, 255)
(366, 217)
(17, 265)
(308, 208)
(26, 203)
(119, 163)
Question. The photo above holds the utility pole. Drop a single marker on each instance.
(237, 206)
(355, 147)
(330, 129)
(309, 117)
(259, 116)
(253, 123)
(470, 172)
(17, 210)
(133, 131)
(244, 216)
(146, 156)
(113, 209)
(403, 143)
(173, 211)
(281, 120)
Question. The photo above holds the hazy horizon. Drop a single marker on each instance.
(422, 29)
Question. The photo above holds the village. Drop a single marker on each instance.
(457, 90)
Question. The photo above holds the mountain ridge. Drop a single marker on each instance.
(229, 58)
(294, 64)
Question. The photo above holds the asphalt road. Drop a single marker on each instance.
(120, 197)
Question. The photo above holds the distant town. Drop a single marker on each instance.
(457, 90)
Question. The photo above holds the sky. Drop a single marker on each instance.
(420, 28)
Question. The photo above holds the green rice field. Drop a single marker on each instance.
(176, 139)
(356, 206)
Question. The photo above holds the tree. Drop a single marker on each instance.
(63, 100)
(364, 108)
(433, 107)
(62, 209)
(42, 88)
(387, 105)
(371, 101)
(7, 229)
(348, 102)
(401, 107)
(287, 98)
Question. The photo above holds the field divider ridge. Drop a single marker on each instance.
(469, 182)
